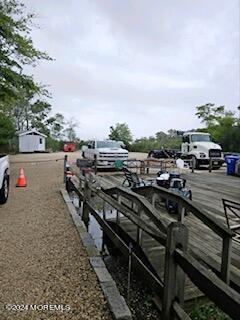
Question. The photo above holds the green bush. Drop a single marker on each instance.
(53, 145)
(208, 312)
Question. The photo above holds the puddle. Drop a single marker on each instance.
(94, 228)
(140, 300)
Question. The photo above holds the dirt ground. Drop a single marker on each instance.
(41, 260)
(60, 155)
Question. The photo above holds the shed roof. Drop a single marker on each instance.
(31, 131)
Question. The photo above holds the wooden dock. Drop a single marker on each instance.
(208, 190)
(141, 216)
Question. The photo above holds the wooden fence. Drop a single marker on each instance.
(145, 166)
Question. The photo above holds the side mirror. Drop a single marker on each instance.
(122, 144)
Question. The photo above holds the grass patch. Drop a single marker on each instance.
(208, 312)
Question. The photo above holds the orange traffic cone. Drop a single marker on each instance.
(21, 181)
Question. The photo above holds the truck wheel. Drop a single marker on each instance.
(4, 191)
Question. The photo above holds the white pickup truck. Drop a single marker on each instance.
(4, 178)
(106, 151)
(199, 147)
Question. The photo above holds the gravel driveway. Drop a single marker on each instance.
(41, 259)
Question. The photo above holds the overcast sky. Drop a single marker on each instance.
(144, 62)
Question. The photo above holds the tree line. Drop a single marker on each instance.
(24, 102)
(222, 124)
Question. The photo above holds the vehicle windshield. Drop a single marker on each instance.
(201, 137)
(108, 144)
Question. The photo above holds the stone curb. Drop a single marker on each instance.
(116, 302)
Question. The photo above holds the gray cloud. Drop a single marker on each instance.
(147, 63)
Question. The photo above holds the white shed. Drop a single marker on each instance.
(32, 141)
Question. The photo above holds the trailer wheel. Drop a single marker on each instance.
(4, 191)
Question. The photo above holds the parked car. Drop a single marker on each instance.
(106, 151)
(4, 178)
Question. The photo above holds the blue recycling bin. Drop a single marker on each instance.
(231, 164)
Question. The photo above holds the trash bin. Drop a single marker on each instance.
(118, 164)
(231, 164)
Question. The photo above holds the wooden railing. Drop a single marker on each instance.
(184, 205)
(144, 166)
(179, 261)
(213, 287)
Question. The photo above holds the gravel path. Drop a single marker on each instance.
(41, 259)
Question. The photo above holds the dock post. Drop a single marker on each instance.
(154, 197)
(104, 210)
(181, 212)
(95, 164)
(85, 214)
(103, 247)
(65, 169)
(136, 210)
(79, 206)
(226, 259)
(142, 167)
(140, 231)
(174, 277)
(129, 270)
(85, 211)
(117, 214)
(147, 167)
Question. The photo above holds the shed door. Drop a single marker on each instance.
(41, 143)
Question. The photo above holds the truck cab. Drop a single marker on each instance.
(106, 151)
(200, 147)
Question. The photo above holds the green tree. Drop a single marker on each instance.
(121, 132)
(223, 125)
(7, 129)
(70, 131)
(161, 140)
(16, 51)
(29, 113)
(56, 126)
(209, 113)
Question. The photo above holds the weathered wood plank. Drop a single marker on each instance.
(208, 190)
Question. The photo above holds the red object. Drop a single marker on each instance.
(69, 147)
(21, 181)
(70, 173)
